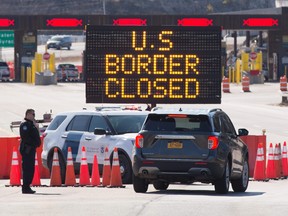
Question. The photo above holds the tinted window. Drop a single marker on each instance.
(216, 122)
(227, 125)
(178, 123)
(127, 123)
(56, 38)
(98, 122)
(79, 123)
(57, 121)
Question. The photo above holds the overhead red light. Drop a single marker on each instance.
(6, 22)
(261, 22)
(64, 22)
(130, 22)
(195, 22)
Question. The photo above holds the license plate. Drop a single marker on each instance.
(177, 145)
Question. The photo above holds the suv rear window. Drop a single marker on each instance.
(57, 121)
(165, 122)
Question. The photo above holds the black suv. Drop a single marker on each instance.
(59, 42)
(186, 146)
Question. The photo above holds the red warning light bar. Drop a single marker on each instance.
(6, 22)
(130, 22)
(64, 22)
(195, 22)
(261, 22)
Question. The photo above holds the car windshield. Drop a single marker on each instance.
(126, 123)
(165, 122)
(66, 66)
(3, 64)
(56, 38)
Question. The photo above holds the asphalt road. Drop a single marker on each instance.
(262, 198)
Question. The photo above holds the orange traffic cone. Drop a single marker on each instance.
(116, 180)
(55, 179)
(280, 167)
(15, 179)
(106, 169)
(36, 178)
(284, 160)
(84, 170)
(70, 179)
(271, 171)
(95, 179)
(276, 161)
(259, 170)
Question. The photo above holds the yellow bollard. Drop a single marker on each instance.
(29, 75)
(52, 62)
(33, 71)
(245, 61)
(38, 62)
(237, 72)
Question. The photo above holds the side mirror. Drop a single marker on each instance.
(243, 132)
(99, 131)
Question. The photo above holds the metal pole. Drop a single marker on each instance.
(235, 43)
(104, 6)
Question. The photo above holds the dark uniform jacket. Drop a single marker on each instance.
(29, 134)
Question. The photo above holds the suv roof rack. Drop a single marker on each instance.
(108, 108)
(215, 109)
(118, 108)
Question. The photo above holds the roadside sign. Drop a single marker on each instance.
(253, 55)
(153, 64)
(46, 56)
(6, 38)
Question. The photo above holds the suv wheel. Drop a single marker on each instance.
(222, 184)
(139, 185)
(160, 185)
(125, 168)
(241, 184)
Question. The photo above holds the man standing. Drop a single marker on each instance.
(30, 140)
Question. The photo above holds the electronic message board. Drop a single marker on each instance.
(153, 64)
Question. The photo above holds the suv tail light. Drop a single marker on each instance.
(213, 142)
(139, 141)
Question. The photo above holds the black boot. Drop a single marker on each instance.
(27, 190)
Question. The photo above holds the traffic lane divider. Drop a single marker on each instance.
(6, 150)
